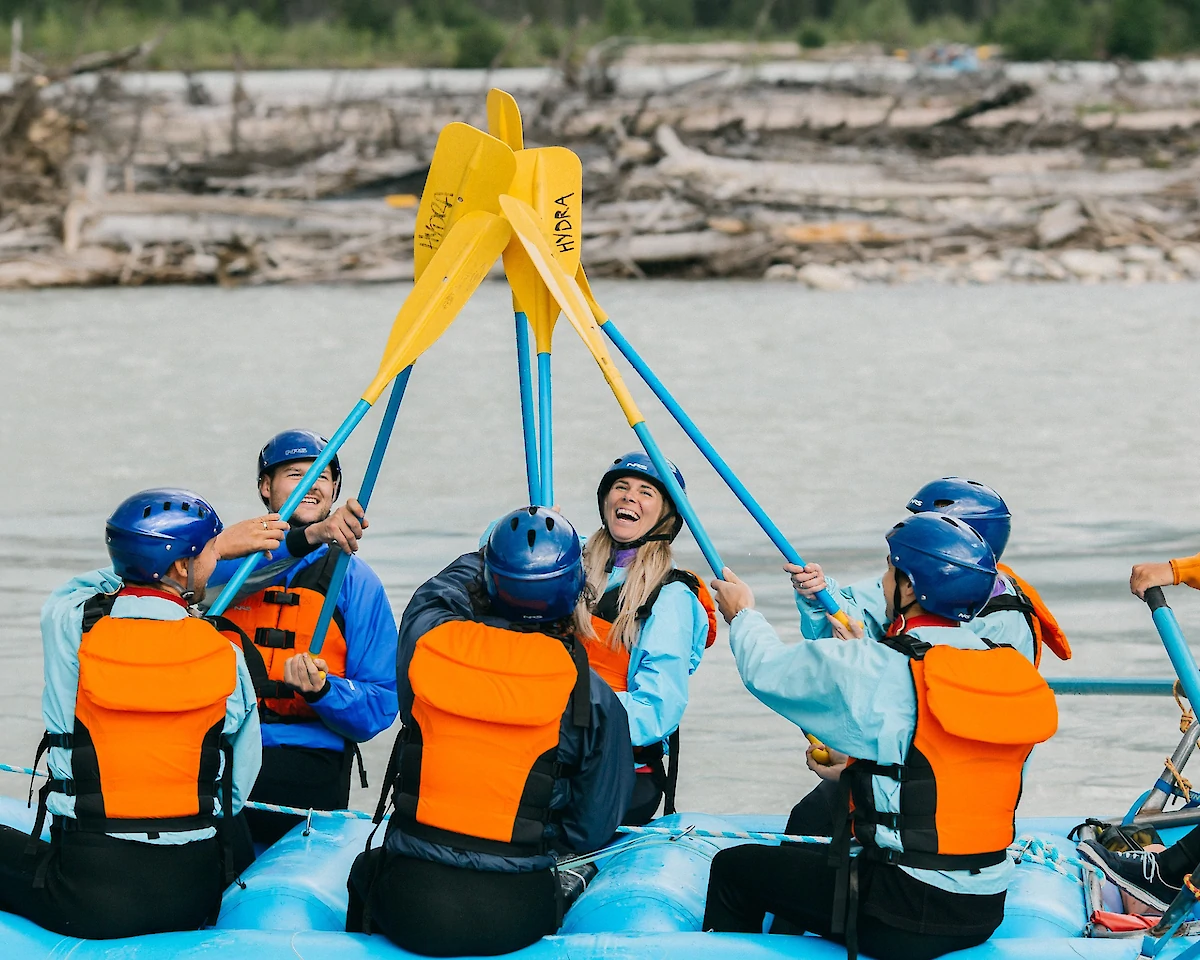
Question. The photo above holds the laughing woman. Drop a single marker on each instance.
(649, 624)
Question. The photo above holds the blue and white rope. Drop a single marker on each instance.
(1024, 849)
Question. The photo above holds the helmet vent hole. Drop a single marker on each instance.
(943, 503)
(532, 511)
(200, 512)
(549, 523)
(532, 535)
(513, 523)
(166, 504)
(145, 513)
(949, 520)
(186, 507)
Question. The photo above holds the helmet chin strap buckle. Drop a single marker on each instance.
(188, 593)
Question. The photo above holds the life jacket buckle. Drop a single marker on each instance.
(283, 598)
(275, 638)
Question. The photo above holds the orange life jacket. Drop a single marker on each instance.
(149, 717)
(979, 714)
(1042, 625)
(476, 769)
(613, 664)
(279, 621)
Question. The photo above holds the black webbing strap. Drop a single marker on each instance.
(282, 598)
(225, 827)
(274, 638)
(362, 770)
(672, 774)
(63, 740)
(581, 695)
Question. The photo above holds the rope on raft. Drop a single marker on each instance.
(1024, 849)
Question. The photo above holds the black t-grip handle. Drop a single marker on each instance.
(1154, 598)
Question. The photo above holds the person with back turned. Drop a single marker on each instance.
(151, 730)
(1015, 615)
(939, 722)
(513, 749)
(315, 710)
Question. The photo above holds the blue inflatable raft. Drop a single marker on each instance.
(646, 901)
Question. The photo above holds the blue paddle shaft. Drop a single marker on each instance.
(364, 497)
(825, 598)
(682, 504)
(221, 604)
(1177, 648)
(528, 425)
(546, 430)
(1112, 686)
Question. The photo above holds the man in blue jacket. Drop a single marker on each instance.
(513, 749)
(315, 710)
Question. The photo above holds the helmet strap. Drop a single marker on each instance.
(651, 537)
(188, 593)
(898, 613)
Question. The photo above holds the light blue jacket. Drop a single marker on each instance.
(864, 601)
(668, 651)
(857, 697)
(62, 634)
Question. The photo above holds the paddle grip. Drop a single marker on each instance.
(1155, 599)
(820, 751)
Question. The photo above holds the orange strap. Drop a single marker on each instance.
(1051, 634)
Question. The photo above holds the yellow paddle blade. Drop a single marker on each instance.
(504, 118)
(462, 260)
(586, 289)
(468, 172)
(568, 296)
(550, 180)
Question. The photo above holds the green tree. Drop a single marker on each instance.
(1136, 29)
(479, 43)
(1044, 30)
(675, 14)
(622, 16)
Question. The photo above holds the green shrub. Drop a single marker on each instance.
(1045, 30)
(888, 22)
(479, 43)
(622, 16)
(1135, 29)
(811, 37)
(673, 14)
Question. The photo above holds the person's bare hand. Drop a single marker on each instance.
(305, 673)
(826, 771)
(732, 595)
(342, 528)
(264, 534)
(843, 632)
(808, 580)
(1147, 575)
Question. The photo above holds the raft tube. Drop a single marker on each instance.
(648, 898)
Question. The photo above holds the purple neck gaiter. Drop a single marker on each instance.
(623, 557)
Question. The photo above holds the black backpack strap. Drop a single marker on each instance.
(581, 695)
(908, 645)
(95, 608)
(1012, 601)
(672, 774)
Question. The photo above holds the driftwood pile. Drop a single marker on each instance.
(859, 172)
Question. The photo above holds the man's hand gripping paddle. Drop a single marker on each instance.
(464, 257)
(689, 427)
(567, 295)
(467, 173)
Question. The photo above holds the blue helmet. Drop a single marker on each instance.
(533, 565)
(638, 464)
(978, 504)
(152, 529)
(950, 566)
(291, 445)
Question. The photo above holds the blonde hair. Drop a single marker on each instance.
(649, 568)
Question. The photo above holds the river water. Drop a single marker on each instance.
(1077, 403)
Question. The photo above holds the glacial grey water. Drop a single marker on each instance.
(1077, 403)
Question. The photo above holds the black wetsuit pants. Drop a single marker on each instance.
(298, 777)
(643, 805)
(441, 911)
(98, 887)
(797, 883)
